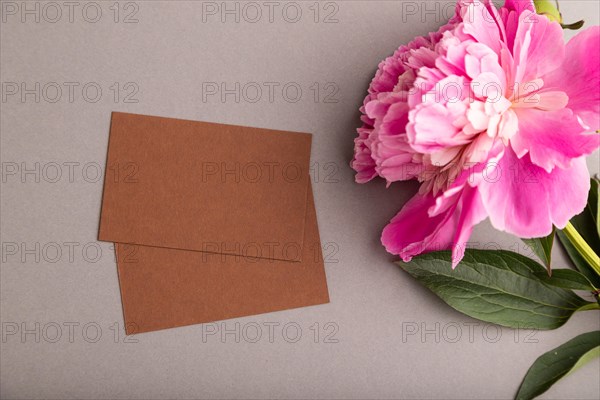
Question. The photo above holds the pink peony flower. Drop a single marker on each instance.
(494, 115)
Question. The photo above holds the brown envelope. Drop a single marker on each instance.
(210, 221)
(164, 288)
(206, 187)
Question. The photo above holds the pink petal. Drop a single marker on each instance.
(539, 47)
(363, 163)
(552, 138)
(432, 124)
(390, 149)
(412, 231)
(509, 125)
(431, 223)
(479, 149)
(519, 5)
(579, 76)
(431, 128)
(388, 72)
(525, 200)
(551, 100)
(471, 212)
(480, 23)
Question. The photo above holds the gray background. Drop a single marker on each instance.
(162, 62)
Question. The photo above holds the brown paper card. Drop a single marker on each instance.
(206, 187)
(165, 288)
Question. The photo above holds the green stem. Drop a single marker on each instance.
(582, 247)
(591, 306)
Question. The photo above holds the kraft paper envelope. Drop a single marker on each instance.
(165, 288)
(205, 187)
(210, 221)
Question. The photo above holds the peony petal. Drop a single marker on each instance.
(525, 200)
(431, 223)
(552, 138)
(539, 47)
(481, 24)
(579, 76)
(478, 151)
(519, 5)
(388, 72)
(487, 85)
(363, 163)
(412, 231)
(509, 125)
(390, 150)
(550, 100)
(471, 211)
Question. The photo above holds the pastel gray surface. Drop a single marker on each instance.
(180, 60)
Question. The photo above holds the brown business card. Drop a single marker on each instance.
(165, 288)
(210, 221)
(205, 187)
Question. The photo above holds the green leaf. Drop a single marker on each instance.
(500, 287)
(542, 247)
(594, 203)
(580, 264)
(553, 365)
(587, 225)
(567, 279)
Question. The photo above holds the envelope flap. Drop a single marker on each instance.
(206, 187)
